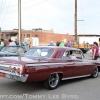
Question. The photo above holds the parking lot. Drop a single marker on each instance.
(73, 89)
(89, 56)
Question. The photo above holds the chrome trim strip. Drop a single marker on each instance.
(5, 66)
(67, 63)
(75, 77)
(9, 64)
(41, 64)
(81, 63)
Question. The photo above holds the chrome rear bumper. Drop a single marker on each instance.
(15, 76)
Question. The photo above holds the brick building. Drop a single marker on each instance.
(44, 36)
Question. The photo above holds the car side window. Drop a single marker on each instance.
(72, 55)
(65, 55)
(20, 50)
(78, 54)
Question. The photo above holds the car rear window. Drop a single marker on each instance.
(39, 52)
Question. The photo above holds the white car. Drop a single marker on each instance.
(90, 51)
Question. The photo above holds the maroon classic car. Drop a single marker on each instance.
(49, 64)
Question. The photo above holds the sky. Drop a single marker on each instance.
(52, 14)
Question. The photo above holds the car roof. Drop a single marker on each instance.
(56, 47)
(14, 46)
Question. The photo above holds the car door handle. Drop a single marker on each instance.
(75, 64)
(69, 64)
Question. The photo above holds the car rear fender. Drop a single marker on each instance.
(60, 74)
(98, 68)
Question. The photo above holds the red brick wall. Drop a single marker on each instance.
(44, 38)
(47, 37)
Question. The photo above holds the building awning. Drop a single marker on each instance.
(10, 33)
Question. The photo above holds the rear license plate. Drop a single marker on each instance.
(2, 75)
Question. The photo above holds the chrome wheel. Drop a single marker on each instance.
(53, 80)
(95, 72)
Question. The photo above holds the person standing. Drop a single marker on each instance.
(57, 43)
(12, 43)
(95, 51)
(9, 41)
(16, 41)
(69, 44)
(2, 42)
(62, 44)
(51, 43)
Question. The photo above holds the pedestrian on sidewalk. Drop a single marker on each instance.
(95, 51)
(62, 44)
(51, 43)
(2, 42)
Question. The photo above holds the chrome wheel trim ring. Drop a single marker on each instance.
(53, 80)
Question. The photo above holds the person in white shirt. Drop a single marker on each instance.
(12, 43)
(72, 56)
(2, 42)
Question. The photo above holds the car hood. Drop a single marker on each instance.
(3, 53)
(7, 53)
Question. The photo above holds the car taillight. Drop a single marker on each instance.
(10, 68)
(15, 69)
(19, 70)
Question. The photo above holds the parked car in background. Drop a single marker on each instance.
(8, 51)
(1, 47)
(90, 51)
(49, 64)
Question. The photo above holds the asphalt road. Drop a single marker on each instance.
(89, 56)
(74, 89)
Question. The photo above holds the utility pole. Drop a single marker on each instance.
(75, 30)
(19, 21)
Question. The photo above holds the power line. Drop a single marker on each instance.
(23, 3)
(5, 14)
(31, 6)
(27, 7)
(17, 5)
(24, 8)
(39, 3)
(35, 4)
(2, 8)
(1, 4)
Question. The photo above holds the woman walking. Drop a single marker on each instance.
(95, 51)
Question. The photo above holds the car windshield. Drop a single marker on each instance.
(13, 49)
(39, 52)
